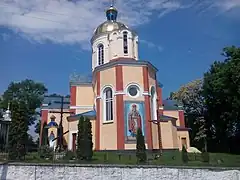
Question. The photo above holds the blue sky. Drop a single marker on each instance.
(48, 40)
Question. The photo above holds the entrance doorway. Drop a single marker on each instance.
(74, 140)
(184, 142)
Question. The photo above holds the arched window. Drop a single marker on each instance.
(108, 104)
(153, 104)
(125, 42)
(100, 54)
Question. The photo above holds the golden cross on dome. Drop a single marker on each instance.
(112, 2)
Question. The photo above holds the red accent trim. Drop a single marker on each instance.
(74, 136)
(119, 108)
(159, 96)
(44, 118)
(73, 98)
(147, 108)
(97, 136)
(181, 118)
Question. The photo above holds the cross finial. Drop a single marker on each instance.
(112, 3)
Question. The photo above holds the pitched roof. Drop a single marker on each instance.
(54, 103)
(89, 114)
(167, 118)
(183, 128)
(171, 105)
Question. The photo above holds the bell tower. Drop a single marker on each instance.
(113, 40)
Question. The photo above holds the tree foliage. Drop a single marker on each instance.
(190, 95)
(141, 148)
(84, 139)
(221, 90)
(44, 135)
(212, 105)
(27, 91)
(88, 139)
(18, 136)
(184, 154)
(80, 138)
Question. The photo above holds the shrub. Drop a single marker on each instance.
(88, 139)
(80, 139)
(205, 157)
(141, 148)
(69, 155)
(45, 152)
(184, 154)
(84, 139)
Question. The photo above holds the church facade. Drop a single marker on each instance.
(121, 95)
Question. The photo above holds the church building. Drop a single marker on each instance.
(121, 95)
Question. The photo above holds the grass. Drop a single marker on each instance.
(167, 159)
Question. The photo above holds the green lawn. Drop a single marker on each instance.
(167, 158)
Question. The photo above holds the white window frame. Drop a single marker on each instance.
(105, 101)
(125, 42)
(133, 85)
(100, 54)
(153, 100)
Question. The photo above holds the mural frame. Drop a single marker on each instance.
(141, 108)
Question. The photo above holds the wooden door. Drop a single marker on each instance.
(74, 136)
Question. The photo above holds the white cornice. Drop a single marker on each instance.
(81, 107)
(145, 93)
(119, 93)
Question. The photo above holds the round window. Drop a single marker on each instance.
(133, 91)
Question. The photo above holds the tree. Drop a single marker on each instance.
(84, 139)
(141, 148)
(190, 95)
(37, 129)
(44, 135)
(80, 138)
(55, 95)
(27, 91)
(88, 139)
(184, 154)
(18, 136)
(221, 90)
(31, 145)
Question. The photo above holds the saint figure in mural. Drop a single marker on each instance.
(51, 138)
(134, 121)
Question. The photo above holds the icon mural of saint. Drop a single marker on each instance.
(51, 138)
(134, 121)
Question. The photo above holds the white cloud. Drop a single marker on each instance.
(222, 6)
(5, 36)
(73, 21)
(152, 45)
(227, 5)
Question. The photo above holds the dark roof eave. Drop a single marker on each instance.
(75, 118)
(80, 84)
(167, 118)
(183, 128)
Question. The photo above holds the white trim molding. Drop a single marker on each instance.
(44, 109)
(98, 97)
(119, 93)
(161, 108)
(145, 93)
(81, 107)
(104, 88)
